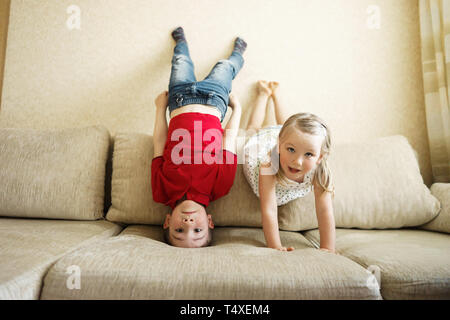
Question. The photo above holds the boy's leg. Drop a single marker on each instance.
(226, 70)
(259, 108)
(182, 65)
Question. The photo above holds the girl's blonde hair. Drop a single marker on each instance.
(311, 124)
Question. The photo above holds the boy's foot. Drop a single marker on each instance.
(178, 34)
(263, 87)
(240, 45)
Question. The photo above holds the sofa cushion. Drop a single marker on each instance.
(57, 174)
(30, 246)
(442, 222)
(131, 185)
(131, 189)
(378, 185)
(138, 265)
(240, 207)
(413, 264)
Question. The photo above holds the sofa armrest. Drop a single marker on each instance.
(442, 222)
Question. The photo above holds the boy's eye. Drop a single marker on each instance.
(290, 149)
(179, 230)
(197, 230)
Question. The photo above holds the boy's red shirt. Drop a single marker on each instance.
(193, 162)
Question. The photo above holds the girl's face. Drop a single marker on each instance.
(299, 153)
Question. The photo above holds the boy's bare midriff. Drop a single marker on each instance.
(201, 108)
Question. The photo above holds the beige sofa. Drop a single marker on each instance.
(76, 225)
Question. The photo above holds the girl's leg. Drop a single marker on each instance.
(182, 65)
(226, 70)
(259, 109)
(281, 114)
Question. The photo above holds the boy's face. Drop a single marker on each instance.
(188, 225)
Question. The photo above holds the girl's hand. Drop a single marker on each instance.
(284, 248)
(327, 250)
(162, 100)
(234, 102)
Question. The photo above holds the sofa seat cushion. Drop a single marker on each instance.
(30, 246)
(413, 264)
(137, 264)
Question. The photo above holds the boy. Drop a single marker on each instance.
(188, 175)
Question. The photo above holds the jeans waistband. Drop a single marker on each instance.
(188, 94)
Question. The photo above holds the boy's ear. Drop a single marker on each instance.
(166, 221)
(210, 222)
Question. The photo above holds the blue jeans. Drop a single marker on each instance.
(214, 90)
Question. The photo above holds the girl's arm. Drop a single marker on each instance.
(325, 218)
(232, 127)
(269, 210)
(160, 129)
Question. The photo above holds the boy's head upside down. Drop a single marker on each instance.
(188, 225)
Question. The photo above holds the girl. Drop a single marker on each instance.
(287, 161)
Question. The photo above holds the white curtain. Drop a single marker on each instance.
(435, 40)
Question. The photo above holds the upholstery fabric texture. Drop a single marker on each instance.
(131, 185)
(30, 246)
(442, 222)
(378, 186)
(131, 189)
(413, 264)
(57, 174)
(138, 265)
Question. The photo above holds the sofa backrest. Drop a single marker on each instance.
(378, 185)
(131, 188)
(55, 174)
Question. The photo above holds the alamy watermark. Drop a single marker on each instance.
(74, 20)
(374, 17)
(198, 146)
(74, 279)
(374, 279)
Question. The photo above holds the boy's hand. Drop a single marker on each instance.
(234, 102)
(162, 100)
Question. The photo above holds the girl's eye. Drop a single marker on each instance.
(197, 230)
(179, 230)
(309, 154)
(290, 149)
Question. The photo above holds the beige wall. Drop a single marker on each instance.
(4, 16)
(365, 83)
